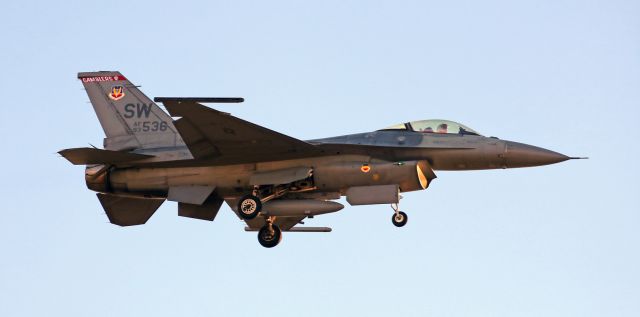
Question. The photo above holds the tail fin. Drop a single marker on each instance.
(129, 119)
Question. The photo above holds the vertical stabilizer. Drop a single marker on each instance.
(129, 119)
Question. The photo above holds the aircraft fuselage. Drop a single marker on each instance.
(391, 157)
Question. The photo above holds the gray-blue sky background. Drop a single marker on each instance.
(560, 240)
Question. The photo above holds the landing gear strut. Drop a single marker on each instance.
(399, 218)
(270, 235)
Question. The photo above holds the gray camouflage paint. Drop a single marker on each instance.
(218, 154)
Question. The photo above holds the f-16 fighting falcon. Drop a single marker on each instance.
(271, 181)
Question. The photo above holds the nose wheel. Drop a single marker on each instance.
(270, 235)
(399, 218)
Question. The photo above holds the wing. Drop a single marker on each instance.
(213, 135)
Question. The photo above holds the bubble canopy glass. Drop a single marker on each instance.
(434, 126)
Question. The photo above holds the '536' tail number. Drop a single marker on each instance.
(149, 126)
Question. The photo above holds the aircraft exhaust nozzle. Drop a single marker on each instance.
(300, 207)
(97, 178)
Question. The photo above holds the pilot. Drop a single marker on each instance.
(442, 128)
(427, 130)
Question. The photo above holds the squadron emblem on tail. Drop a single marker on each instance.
(117, 93)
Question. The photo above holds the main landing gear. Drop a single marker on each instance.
(399, 218)
(249, 206)
(270, 235)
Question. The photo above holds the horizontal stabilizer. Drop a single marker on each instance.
(83, 156)
(128, 211)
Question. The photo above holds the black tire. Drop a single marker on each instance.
(249, 207)
(399, 219)
(268, 240)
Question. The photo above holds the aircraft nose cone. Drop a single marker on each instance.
(524, 155)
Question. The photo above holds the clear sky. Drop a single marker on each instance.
(560, 240)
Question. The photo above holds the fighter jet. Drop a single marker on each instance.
(272, 181)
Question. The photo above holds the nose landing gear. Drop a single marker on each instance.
(399, 218)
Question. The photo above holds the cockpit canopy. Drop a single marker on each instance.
(434, 126)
